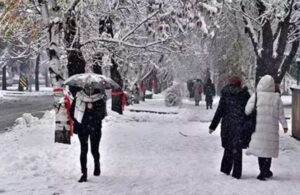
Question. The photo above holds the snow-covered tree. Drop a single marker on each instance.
(273, 27)
(142, 30)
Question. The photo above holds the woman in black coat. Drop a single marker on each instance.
(231, 110)
(88, 110)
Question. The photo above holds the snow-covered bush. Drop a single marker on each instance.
(173, 95)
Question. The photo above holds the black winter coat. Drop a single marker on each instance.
(209, 91)
(92, 118)
(231, 110)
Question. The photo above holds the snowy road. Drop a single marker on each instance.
(17, 104)
(141, 153)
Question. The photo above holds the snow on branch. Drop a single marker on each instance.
(209, 8)
(288, 60)
(140, 24)
(45, 12)
(120, 42)
(203, 26)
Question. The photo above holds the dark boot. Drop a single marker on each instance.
(269, 174)
(261, 177)
(83, 178)
(263, 167)
(237, 163)
(97, 170)
(268, 167)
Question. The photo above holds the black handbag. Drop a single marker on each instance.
(249, 125)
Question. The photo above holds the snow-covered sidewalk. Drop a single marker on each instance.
(13, 94)
(141, 153)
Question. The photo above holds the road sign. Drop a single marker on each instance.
(23, 82)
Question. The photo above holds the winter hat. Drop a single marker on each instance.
(235, 80)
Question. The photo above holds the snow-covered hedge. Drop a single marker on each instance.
(173, 95)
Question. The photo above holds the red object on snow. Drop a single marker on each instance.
(68, 107)
(124, 98)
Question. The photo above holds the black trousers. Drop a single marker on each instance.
(95, 137)
(209, 104)
(264, 165)
(232, 159)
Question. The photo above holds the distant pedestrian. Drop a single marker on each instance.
(209, 92)
(198, 89)
(142, 91)
(136, 93)
(88, 110)
(190, 87)
(265, 140)
(231, 112)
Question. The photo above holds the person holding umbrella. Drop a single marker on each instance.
(88, 109)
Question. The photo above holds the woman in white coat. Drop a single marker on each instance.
(265, 140)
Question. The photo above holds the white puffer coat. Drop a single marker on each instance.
(265, 140)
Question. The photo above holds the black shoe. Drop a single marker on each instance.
(97, 170)
(269, 174)
(261, 177)
(226, 173)
(83, 178)
(236, 177)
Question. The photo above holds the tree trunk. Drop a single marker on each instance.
(4, 84)
(76, 65)
(52, 18)
(272, 57)
(76, 62)
(47, 84)
(261, 69)
(117, 94)
(105, 26)
(37, 71)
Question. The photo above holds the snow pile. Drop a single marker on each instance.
(49, 116)
(26, 120)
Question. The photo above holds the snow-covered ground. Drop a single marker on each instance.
(141, 153)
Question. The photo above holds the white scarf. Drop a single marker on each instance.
(81, 99)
